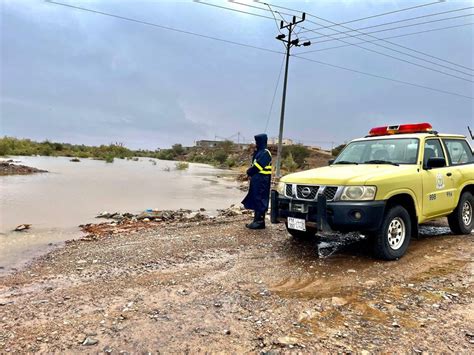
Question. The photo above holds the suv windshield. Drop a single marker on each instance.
(380, 151)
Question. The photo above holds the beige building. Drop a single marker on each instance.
(285, 141)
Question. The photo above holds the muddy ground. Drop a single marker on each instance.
(215, 286)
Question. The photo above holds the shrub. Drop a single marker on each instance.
(227, 146)
(220, 156)
(177, 149)
(299, 154)
(230, 162)
(289, 163)
(165, 154)
(181, 165)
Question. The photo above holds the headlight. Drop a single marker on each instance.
(358, 193)
(280, 188)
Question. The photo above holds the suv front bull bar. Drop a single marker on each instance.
(318, 216)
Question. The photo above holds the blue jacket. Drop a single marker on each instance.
(258, 196)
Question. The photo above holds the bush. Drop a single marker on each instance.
(181, 165)
(220, 156)
(177, 149)
(166, 154)
(109, 159)
(335, 151)
(299, 154)
(289, 163)
(230, 162)
(227, 146)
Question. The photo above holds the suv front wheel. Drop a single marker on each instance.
(391, 240)
(461, 221)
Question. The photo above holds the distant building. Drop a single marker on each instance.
(285, 141)
(207, 144)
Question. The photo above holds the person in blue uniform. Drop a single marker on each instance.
(260, 174)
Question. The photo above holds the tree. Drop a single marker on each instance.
(177, 149)
(298, 152)
(289, 163)
(220, 156)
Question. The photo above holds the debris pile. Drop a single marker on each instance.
(9, 167)
(149, 219)
(22, 227)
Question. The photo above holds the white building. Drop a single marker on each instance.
(285, 141)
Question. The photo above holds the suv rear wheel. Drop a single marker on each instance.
(391, 240)
(461, 221)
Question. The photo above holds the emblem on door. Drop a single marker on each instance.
(439, 181)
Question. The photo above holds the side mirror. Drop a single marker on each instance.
(331, 161)
(433, 163)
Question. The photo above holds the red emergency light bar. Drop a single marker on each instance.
(401, 129)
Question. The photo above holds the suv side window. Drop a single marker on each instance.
(433, 149)
(459, 151)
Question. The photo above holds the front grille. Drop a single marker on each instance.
(310, 192)
(289, 190)
(330, 192)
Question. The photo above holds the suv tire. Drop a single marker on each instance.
(461, 220)
(310, 234)
(391, 240)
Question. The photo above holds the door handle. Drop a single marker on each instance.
(449, 174)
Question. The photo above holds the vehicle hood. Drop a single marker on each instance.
(348, 174)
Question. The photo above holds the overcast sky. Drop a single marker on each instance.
(75, 76)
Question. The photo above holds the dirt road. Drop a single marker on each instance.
(218, 287)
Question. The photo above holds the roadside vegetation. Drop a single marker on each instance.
(225, 155)
(15, 146)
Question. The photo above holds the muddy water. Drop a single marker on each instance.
(55, 203)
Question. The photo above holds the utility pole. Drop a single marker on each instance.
(289, 43)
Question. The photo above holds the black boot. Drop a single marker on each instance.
(254, 220)
(258, 221)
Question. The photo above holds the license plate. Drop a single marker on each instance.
(297, 224)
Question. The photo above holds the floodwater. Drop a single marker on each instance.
(71, 194)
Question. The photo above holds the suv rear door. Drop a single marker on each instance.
(460, 159)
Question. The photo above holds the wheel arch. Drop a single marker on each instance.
(467, 187)
(408, 202)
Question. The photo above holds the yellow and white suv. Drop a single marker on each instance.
(384, 186)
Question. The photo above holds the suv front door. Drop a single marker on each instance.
(438, 185)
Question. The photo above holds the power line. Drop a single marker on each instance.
(406, 54)
(404, 20)
(274, 94)
(260, 8)
(384, 77)
(404, 60)
(384, 54)
(382, 14)
(276, 21)
(231, 9)
(382, 46)
(164, 27)
(255, 47)
(391, 37)
(396, 28)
